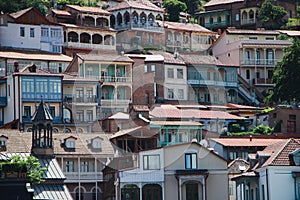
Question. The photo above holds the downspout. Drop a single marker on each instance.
(19, 98)
(267, 182)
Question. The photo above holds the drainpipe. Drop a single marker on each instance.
(267, 182)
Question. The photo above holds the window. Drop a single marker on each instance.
(170, 73)
(252, 38)
(263, 192)
(274, 115)
(32, 32)
(237, 17)
(247, 74)
(22, 31)
(269, 38)
(55, 32)
(170, 93)
(291, 124)
(69, 166)
(84, 166)
(97, 144)
(149, 68)
(56, 49)
(44, 32)
(191, 161)
(27, 111)
(232, 155)
(89, 115)
(180, 73)
(3, 142)
(79, 115)
(151, 162)
(70, 143)
(180, 94)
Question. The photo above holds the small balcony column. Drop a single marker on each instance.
(141, 190)
(91, 38)
(95, 20)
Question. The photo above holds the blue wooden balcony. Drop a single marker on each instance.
(3, 101)
(55, 119)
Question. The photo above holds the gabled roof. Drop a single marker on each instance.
(220, 2)
(245, 142)
(185, 27)
(32, 55)
(138, 4)
(119, 115)
(171, 111)
(20, 12)
(61, 12)
(280, 152)
(169, 58)
(86, 9)
(138, 132)
(105, 57)
(199, 59)
(251, 32)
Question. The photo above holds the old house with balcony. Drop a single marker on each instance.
(28, 29)
(85, 28)
(255, 52)
(209, 80)
(26, 87)
(81, 101)
(172, 172)
(136, 24)
(241, 14)
(186, 37)
(114, 75)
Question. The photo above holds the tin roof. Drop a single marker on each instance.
(87, 9)
(137, 4)
(220, 2)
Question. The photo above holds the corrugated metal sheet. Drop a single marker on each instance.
(51, 191)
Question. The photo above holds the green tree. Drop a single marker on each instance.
(286, 76)
(192, 6)
(271, 16)
(173, 8)
(34, 170)
(11, 6)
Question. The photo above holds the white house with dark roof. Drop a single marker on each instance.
(30, 30)
(274, 173)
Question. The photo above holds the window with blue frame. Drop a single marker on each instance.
(41, 87)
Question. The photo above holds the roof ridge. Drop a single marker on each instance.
(284, 145)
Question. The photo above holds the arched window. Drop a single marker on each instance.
(152, 192)
(130, 192)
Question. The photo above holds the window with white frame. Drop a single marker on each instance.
(151, 162)
(170, 73)
(89, 115)
(170, 94)
(84, 166)
(69, 166)
(70, 143)
(55, 32)
(97, 143)
(56, 49)
(180, 73)
(80, 115)
(44, 32)
(31, 32)
(237, 17)
(180, 94)
(22, 31)
(191, 161)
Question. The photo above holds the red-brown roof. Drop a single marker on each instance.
(185, 27)
(61, 12)
(86, 9)
(168, 57)
(170, 111)
(220, 2)
(280, 152)
(138, 4)
(245, 142)
(199, 59)
(20, 13)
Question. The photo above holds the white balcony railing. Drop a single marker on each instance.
(213, 83)
(115, 102)
(83, 176)
(259, 62)
(142, 176)
(90, 46)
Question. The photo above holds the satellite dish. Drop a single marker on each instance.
(204, 143)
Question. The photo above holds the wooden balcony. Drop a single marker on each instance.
(142, 176)
(258, 62)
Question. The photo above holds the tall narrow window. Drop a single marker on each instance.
(191, 161)
(69, 166)
(27, 111)
(180, 73)
(22, 31)
(151, 162)
(32, 32)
